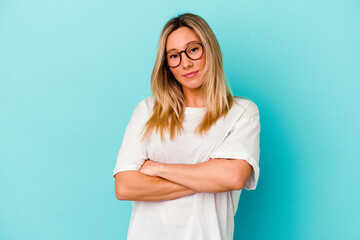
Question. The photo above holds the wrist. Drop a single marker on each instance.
(161, 169)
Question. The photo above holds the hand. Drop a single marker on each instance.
(150, 168)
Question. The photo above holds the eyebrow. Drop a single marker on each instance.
(185, 47)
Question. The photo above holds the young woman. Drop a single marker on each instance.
(190, 148)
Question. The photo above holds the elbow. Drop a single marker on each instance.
(118, 194)
(126, 185)
(240, 175)
(120, 197)
(121, 190)
(121, 193)
(238, 181)
(238, 184)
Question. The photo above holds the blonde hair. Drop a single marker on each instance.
(169, 103)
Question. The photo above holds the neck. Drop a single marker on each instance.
(193, 98)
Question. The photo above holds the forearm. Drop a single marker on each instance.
(217, 175)
(135, 186)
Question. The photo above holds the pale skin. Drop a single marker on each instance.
(160, 182)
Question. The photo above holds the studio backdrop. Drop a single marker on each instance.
(71, 73)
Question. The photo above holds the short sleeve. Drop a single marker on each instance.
(243, 142)
(132, 153)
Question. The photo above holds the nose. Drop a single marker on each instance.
(185, 61)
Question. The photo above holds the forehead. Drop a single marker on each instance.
(180, 38)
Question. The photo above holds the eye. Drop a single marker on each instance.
(194, 49)
(172, 56)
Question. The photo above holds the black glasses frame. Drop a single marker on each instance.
(202, 53)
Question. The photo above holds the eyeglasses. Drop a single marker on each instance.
(194, 52)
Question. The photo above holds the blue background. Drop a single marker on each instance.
(71, 73)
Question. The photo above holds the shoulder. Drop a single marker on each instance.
(142, 111)
(146, 104)
(246, 103)
(247, 106)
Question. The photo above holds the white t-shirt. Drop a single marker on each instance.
(201, 216)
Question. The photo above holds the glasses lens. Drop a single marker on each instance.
(194, 51)
(173, 59)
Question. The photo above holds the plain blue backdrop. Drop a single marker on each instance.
(71, 73)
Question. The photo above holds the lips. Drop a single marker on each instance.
(191, 74)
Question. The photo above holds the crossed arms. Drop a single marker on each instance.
(159, 182)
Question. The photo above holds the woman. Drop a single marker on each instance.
(190, 148)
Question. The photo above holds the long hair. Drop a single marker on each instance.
(169, 106)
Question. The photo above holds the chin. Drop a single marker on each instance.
(192, 86)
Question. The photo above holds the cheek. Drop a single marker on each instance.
(202, 61)
(174, 73)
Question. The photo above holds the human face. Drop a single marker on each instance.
(189, 73)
